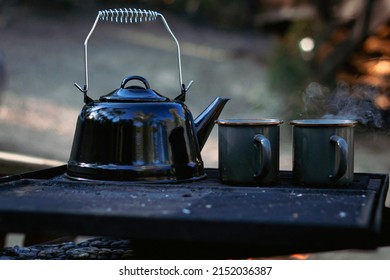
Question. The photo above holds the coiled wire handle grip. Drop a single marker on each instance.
(129, 15)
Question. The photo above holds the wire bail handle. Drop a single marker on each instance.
(129, 15)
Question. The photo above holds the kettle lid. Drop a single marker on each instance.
(133, 93)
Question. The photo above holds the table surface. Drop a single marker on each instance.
(279, 218)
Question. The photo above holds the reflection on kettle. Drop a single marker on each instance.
(180, 157)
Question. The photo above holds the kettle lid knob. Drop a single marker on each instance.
(133, 93)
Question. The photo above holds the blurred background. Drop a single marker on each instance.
(274, 58)
(284, 59)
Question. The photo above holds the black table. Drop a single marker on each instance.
(203, 219)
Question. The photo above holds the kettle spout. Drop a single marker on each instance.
(204, 123)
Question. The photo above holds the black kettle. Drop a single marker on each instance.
(134, 133)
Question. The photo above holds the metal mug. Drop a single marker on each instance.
(248, 151)
(323, 151)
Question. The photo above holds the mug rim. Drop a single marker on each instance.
(323, 122)
(241, 122)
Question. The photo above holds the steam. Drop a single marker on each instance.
(345, 102)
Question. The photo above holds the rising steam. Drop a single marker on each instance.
(346, 102)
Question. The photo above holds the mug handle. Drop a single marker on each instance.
(263, 144)
(342, 165)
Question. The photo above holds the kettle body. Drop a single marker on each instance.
(135, 134)
(144, 141)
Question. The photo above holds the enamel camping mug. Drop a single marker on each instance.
(248, 151)
(323, 151)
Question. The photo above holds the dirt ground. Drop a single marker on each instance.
(43, 51)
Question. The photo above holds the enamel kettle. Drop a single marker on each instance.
(136, 134)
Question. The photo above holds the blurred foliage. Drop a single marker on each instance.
(289, 71)
(290, 68)
(223, 13)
